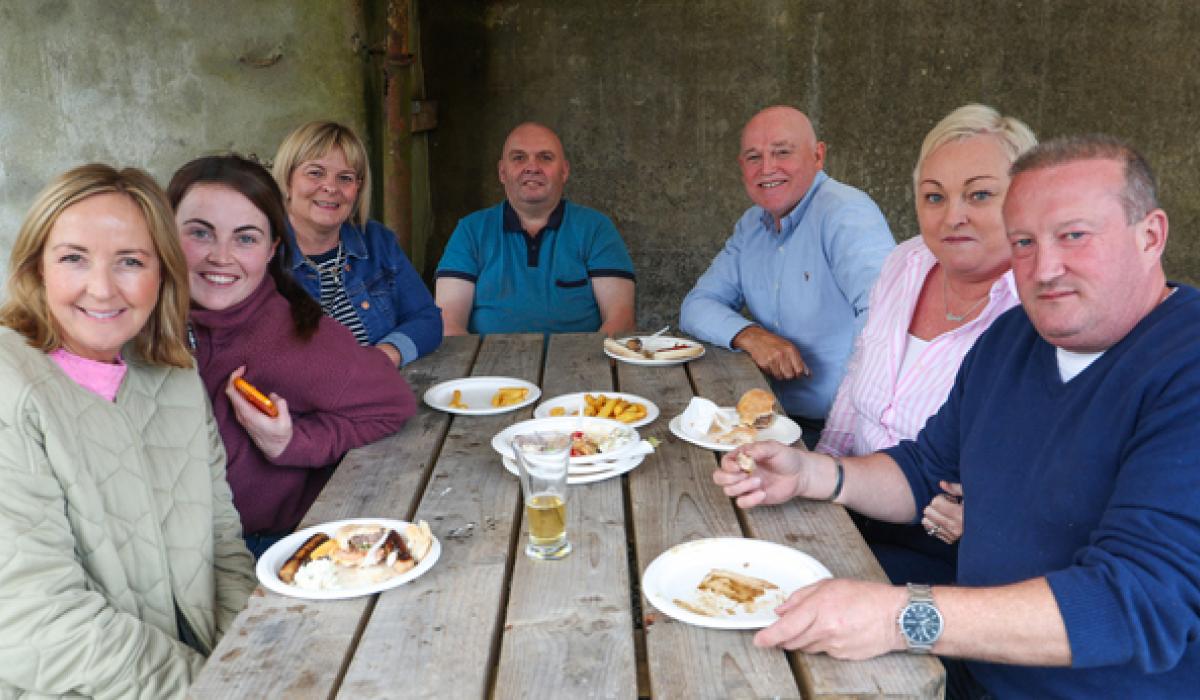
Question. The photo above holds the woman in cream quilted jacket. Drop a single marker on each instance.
(123, 561)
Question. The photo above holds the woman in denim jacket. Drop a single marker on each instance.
(352, 266)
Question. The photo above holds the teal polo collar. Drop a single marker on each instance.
(533, 242)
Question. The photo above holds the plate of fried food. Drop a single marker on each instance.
(653, 350)
(753, 420)
(482, 396)
(348, 558)
(630, 409)
(728, 582)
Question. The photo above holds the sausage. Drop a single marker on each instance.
(258, 399)
(287, 574)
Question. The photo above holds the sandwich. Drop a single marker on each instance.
(756, 409)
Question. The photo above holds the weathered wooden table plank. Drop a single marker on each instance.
(825, 531)
(569, 628)
(673, 500)
(269, 651)
(461, 631)
(438, 636)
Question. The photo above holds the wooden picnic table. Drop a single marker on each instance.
(488, 621)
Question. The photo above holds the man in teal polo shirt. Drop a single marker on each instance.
(535, 262)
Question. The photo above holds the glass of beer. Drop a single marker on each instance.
(542, 460)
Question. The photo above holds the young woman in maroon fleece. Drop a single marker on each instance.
(331, 393)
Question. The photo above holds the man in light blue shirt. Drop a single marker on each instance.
(802, 261)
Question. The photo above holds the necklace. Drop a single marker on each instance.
(957, 318)
(337, 258)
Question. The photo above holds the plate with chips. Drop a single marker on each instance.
(631, 409)
(482, 396)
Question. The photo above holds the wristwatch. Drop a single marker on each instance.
(920, 621)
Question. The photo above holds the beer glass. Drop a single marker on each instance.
(542, 461)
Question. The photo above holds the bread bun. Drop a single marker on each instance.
(756, 408)
(619, 349)
(678, 353)
(740, 435)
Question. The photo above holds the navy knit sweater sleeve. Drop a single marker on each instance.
(1093, 484)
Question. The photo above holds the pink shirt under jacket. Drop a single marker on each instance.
(876, 406)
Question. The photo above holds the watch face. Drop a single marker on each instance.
(921, 623)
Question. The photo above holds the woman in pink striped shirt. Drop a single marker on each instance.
(935, 295)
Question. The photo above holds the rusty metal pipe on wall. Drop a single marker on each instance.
(397, 137)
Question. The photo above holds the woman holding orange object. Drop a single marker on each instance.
(252, 324)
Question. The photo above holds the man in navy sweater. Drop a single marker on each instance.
(1072, 427)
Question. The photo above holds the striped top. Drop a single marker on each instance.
(333, 293)
(878, 404)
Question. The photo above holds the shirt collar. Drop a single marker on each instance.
(512, 222)
(793, 218)
(354, 243)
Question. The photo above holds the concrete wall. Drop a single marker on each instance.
(153, 84)
(649, 98)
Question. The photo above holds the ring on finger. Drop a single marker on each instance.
(933, 530)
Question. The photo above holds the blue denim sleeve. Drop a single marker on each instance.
(418, 329)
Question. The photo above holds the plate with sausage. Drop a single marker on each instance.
(348, 558)
(482, 396)
(653, 351)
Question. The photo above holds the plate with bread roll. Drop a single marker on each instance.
(728, 582)
(753, 419)
(348, 558)
(653, 350)
(482, 396)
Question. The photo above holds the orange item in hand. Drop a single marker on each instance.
(255, 397)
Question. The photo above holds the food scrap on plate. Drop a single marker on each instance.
(635, 348)
(509, 396)
(722, 592)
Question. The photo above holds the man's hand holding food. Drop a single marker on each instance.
(844, 618)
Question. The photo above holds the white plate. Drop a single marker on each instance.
(501, 441)
(677, 571)
(783, 429)
(477, 393)
(274, 558)
(658, 343)
(589, 476)
(571, 403)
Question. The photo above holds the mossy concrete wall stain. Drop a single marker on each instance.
(650, 96)
(153, 84)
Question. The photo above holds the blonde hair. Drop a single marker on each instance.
(316, 139)
(162, 341)
(973, 120)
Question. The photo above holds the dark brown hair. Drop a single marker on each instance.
(253, 182)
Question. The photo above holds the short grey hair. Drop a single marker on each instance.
(1140, 196)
